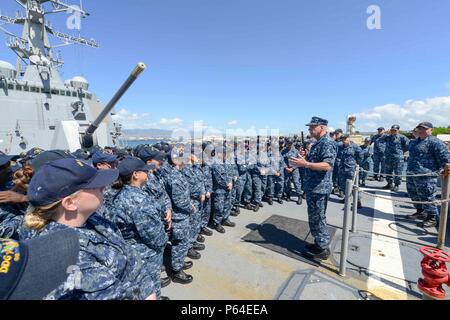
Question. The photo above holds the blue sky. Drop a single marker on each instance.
(266, 63)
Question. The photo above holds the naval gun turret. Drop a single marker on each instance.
(87, 139)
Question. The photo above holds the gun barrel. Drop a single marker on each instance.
(133, 76)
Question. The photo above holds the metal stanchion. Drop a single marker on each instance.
(345, 229)
(444, 208)
(355, 200)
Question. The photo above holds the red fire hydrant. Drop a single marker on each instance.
(435, 272)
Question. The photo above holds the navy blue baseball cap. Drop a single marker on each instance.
(147, 154)
(316, 121)
(131, 164)
(61, 178)
(395, 127)
(47, 156)
(32, 269)
(380, 129)
(5, 159)
(426, 125)
(339, 131)
(101, 157)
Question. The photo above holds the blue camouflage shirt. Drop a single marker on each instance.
(139, 221)
(427, 155)
(349, 157)
(396, 146)
(178, 189)
(155, 188)
(379, 143)
(320, 181)
(107, 267)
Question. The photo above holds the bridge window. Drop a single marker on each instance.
(54, 91)
(68, 93)
(34, 89)
(74, 94)
(26, 88)
(89, 96)
(10, 86)
(19, 87)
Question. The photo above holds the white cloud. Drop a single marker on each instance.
(411, 113)
(233, 123)
(131, 120)
(171, 122)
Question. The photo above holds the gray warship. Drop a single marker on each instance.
(39, 108)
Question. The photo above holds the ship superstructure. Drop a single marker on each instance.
(38, 108)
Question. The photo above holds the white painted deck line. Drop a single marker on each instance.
(385, 257)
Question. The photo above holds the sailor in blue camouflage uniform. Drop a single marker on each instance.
(138, 219)
(318, 186)
(396, 146)
(275, 179)
(107, 268)
(222, 186)
(291, 174)
(10, 213)
(207, 158)
(177, 188)
(337, 141)
(249, 188)
(379, 157)
(427, 155)
(244, 183)
(233, 171)
(194, 176)
(258, 175)
(350, 155)
(366, 162)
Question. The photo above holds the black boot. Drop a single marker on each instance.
(300, 200)
(395, 188)
(198, 246)
(256, 208)
(228, 223)
(181, 277)
(280, 201)
(193, 254)
(419, 215)
(248, 206)
(188, 265)
(360, 204)
(200, 239)
(219, 228)
(270, 201)
(430, 222)
(165, 282)
(260, 205)
(163, 298)
(387, 187)
(206, 232)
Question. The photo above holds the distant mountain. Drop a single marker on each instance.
(147, 133)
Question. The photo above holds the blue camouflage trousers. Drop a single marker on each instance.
(275, 186)
(206, 213)
(394, 166)
(379, 163)
(152, 265)
(181, 243)
(336, 173)
(240, 186)
(423, 189)
(363, 175)
(343, 177)
(221, 206)
(248, 189)
(195, 220)
(317, 208)
(293, 178)
(259, 184)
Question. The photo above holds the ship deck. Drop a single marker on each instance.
(383, 259)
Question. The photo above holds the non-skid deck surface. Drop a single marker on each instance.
(284, 235)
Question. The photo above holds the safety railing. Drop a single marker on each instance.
(353, 190)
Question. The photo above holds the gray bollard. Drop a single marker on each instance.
(355, 200)
(444, 208)
(345, 229)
